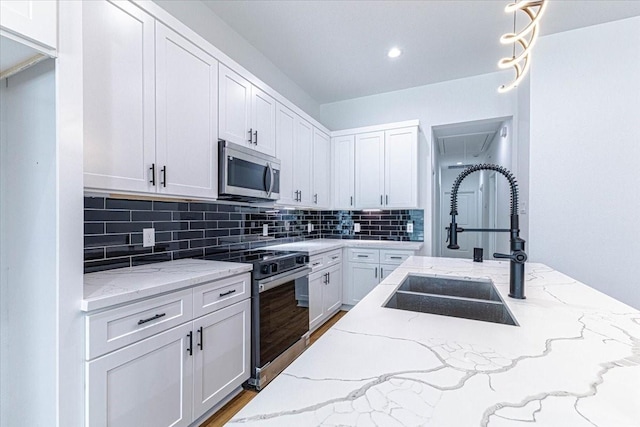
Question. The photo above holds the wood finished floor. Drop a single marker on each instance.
(234, 406)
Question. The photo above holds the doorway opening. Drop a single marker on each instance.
(483, 197)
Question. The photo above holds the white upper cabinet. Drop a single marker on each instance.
(150, 122)
(285, 133)
(186, 112)
(386, 168)
(343, 172)
(247, 114)
(31, 21)
(401, 168)
(263, 115)
(302, 167)
(119, 101)
(235, 107)
(369, 177)
(321, 169)
(294, 148)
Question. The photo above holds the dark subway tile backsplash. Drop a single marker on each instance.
(220, 231)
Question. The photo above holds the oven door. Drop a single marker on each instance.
(283, 314)
(245, 174)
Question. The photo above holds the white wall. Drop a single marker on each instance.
(585, 145)
(500, 153)
(29, 263)
(455, 101)
(210, 26)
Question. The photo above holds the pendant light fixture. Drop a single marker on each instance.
(526, 38)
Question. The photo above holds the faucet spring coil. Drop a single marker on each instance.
(513, 183)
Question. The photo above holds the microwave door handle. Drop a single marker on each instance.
(271, 179)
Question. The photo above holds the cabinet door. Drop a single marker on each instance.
(344, 172)
(186, 112)
(263, 115)
(234, 107)
(285, 134)
(145, 384)
(386, 270)
(303, 150)
(401, 168)
(321, 169)
(317, 283)
(222, 343)
(370, 170)
(36, 21)
(332, 296)
(362, 278)
(119, 123)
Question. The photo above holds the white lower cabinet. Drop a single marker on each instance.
(222, 344)
(145, 384)
(174, 377)
(325, 287)
(365, 268)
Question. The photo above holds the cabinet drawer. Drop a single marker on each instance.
(114, 329)
(363, 255)
(394, 256)
(213, 296)
(332, 258)
(316, 262)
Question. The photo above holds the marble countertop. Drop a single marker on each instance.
(317, 246)
(573, 361)
(108, 288)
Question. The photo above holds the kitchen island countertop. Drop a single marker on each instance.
(573, 361)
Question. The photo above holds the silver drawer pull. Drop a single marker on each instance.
(335, 257)
(316, 263)
(157, 316)
(224, 294)
(363, 256)
(395, 257)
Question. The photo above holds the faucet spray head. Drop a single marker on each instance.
(453, 235)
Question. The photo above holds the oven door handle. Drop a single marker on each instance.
(279, 280)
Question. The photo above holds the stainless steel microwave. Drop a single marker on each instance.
(247, 175)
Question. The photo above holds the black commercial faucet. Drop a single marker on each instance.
(517, 255)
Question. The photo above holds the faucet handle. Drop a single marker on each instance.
(518, 257)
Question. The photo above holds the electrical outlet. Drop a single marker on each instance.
(356, 227)
(265, 229)
(148, 237)
(309, 227)
(409, 227)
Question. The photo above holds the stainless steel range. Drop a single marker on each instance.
(279, 312)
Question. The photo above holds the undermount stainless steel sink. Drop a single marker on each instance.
(456, 297)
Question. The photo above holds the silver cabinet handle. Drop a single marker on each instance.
(255, 133)
(250, 140)
(315, 198)
(376, 273)
(201, 333)
(164, 176)
(363, 256)
(224, 294)
(395, 257)
(381, 200)
(381, 272)
(386, 199)
(351, 202)
(329, 277)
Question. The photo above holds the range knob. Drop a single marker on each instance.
(273, 267)
(302, 259)
(265, 269)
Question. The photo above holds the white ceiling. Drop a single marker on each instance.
(336, 50)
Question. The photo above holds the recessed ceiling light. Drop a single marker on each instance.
(394, 52)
